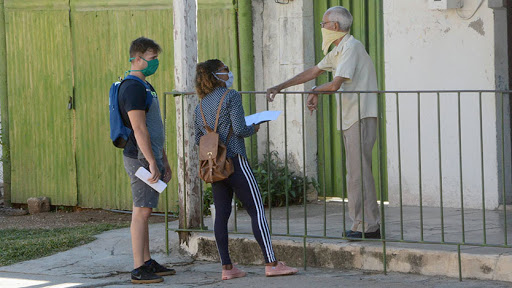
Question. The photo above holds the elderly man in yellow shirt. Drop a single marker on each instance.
(353, 70)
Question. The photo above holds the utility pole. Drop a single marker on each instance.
(185, 60)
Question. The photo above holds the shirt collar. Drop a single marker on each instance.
(339, 48)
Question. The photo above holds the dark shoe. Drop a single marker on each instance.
(373, 235)
(158, 269)
(143, 275)
(359, 235)
(353, 234)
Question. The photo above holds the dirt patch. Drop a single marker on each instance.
(61, 219)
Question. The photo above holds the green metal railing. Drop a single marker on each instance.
(499, 100)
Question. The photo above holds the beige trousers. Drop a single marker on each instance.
(361, 190)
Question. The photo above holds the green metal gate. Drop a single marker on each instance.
(40, 84)
(69, 52)
(100, 57)
(368, 28)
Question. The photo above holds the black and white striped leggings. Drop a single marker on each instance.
(243, 183)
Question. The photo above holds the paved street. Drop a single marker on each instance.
(206, 274)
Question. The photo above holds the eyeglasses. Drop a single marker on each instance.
(222, 68)
(322, 24)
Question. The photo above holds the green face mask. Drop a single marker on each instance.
(150, 69)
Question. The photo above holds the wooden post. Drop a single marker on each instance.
(185, 60)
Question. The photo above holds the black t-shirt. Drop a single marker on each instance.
(132, 96)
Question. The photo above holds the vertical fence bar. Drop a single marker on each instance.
(323, 180)
(304, 247)
(304, 177)
(269, 173)
(399, 166)
(460, 171)
(382, 168)
(439, 149)
(166, 195)
(235, 208)
(361, 162)
(419, 166)
(482, 165)
(202, 204)
(184, 164)
(343, 177)
(503, 167)
(286, 167)
(460, 262)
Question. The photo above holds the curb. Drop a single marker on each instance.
(359, 255)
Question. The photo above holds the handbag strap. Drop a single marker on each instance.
(208, 128)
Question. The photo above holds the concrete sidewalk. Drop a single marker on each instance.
(106, 262)
(326, 220)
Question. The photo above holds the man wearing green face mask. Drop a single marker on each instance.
(145, 147)
(352, 70)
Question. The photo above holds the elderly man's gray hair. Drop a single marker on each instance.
(341, 15)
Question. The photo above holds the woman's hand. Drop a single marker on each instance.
(256, 128)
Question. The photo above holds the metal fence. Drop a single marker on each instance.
(470, 126)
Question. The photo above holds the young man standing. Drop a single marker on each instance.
(145, 147)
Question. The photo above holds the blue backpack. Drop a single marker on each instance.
(119, 133)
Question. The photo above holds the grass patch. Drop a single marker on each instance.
(25, 244)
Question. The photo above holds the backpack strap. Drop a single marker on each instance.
(208, 128)
(218, 110)
(149, 95)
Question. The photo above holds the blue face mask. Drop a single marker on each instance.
(229, 82)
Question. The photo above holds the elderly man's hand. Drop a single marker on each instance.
(312, 102)
(271, 93)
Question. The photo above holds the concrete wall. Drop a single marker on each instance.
(282, 49)
(431, 49)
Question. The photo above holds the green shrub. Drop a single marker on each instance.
(272, 172)
(207, 200)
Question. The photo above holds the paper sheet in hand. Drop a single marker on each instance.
(261, 117)
(143, 174)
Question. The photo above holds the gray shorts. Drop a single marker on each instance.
(143, 195)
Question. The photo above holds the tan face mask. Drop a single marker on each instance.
(329, 36)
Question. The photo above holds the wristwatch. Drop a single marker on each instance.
(313, 89)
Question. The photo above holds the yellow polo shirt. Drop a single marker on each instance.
(350, 60)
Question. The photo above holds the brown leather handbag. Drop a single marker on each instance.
(213, 164)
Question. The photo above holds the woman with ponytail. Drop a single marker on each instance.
(213, 80)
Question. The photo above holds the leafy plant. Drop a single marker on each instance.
(207, 200)
(276, 181)
(272, 176)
